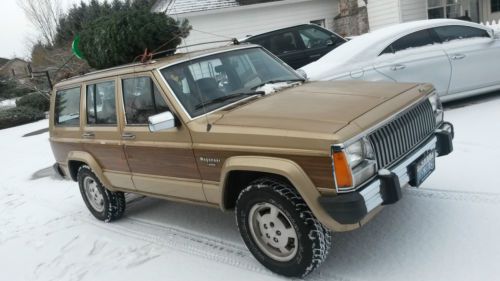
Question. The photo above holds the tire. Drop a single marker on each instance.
(105, 205)
(279, 229)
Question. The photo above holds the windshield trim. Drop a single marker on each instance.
(158, 70)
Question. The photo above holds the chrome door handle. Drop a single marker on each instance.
(128, 136)
(398, 67)
(88, 135)
(457, 56)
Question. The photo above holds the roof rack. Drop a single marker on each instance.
(171, 51)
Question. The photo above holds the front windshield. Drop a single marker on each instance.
(205, 84)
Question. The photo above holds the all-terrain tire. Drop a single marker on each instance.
(112, 205)
(313, 239)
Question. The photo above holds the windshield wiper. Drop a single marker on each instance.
(225, 98)
(278, 81)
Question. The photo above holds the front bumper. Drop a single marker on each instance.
(385, 188)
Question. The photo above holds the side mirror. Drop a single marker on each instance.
(161, 122)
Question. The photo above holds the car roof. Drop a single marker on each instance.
(280, 29)
(149, 65)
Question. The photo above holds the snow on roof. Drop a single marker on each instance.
(174, 7)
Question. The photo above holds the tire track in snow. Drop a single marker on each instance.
(234, 254)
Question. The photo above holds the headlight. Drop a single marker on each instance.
(437, 107)
(353, 165)
(359, 151)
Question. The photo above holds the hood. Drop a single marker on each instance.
(316, 107)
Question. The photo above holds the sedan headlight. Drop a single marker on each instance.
(437, 107)
(353, 165)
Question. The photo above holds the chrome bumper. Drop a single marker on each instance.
(372, 193)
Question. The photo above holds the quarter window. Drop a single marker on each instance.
(101, 105)
(413, 40)
(67, 107)
(142, 99)
(456, 32)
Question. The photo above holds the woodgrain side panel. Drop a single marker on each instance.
(319, 169)
(109, 156)
(162, 161)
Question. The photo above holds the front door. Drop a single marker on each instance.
(416, 57)
(473, 55)
(162, 163)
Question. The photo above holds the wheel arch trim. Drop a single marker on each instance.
(287, 169)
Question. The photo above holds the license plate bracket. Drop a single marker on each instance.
(421, 168)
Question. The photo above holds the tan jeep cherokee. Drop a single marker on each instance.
(236, 128)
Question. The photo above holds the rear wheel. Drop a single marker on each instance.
(105, 205)
(279, 229)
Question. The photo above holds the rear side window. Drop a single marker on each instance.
(283, 43)
(141, 99)
(414, 40)
(67, 107)
(457, 32)
(101, 104)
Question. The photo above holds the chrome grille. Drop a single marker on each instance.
(400, 135)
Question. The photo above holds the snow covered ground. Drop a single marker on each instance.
(447, 230)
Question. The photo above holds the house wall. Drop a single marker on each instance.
(382, 13)
(238, 22)
(413, 10)
(486, 11)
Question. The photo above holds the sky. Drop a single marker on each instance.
(16, 32)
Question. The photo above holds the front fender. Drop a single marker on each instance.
(291, 171)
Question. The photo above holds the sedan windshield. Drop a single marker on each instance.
(208, 83)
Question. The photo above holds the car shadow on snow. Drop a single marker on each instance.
(472, 100)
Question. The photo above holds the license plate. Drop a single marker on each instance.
(422, 168)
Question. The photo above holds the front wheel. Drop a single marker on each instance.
(279, 229)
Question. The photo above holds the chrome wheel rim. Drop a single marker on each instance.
(93, 194)
(272, 231)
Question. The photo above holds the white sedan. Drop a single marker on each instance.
(460, 58)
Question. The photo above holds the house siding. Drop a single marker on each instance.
(382, 13)
(238, 22)
(413, 10)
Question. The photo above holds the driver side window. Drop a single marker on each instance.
(141, 99)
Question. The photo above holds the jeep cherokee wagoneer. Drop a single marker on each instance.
(238, 129)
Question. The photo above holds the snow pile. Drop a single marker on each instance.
(448, 230)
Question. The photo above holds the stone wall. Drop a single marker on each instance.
(352, 19)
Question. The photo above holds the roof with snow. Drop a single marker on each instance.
(174, 7)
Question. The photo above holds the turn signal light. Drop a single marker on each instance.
(343, 175)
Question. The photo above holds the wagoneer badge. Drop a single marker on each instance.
(212, 162)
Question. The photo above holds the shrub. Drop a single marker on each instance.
(18, 116)
(37, 101)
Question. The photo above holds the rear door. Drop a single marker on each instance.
(473, 55)
(416, 57)
(286, 44)
(101, 136)
(161, 163)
